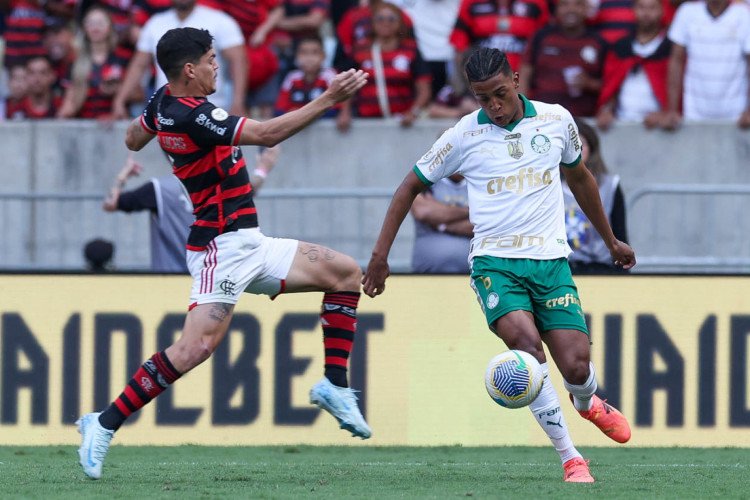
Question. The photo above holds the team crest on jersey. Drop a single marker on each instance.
(540, 144)
(219, 114)
(515, 150)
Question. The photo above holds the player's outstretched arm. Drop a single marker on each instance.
(136, 136)
(583, 186)
(272, 132)
(377, 270)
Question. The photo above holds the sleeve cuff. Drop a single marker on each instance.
(146, 127)
(421, 176)
(573, 163)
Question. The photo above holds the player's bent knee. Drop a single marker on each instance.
(576, 372)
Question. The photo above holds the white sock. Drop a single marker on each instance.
(548, 414)
(582, 393)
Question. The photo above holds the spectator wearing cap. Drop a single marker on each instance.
(97, 71)
(708, 65)
(564, 62)
(635, 72)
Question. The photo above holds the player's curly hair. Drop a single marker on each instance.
(179, 46)
(486, 63)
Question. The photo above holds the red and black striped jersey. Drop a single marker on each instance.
(483, 23)
(24, 109)
(201, 142)
(551, 53)
(294, 8)
(296, 91)
(23, 32)
(102, 84)
(249, 14)
(401, 67)
(356, 26)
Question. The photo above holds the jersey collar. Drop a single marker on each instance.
(528, 111)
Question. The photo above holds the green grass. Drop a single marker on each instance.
(294, 472)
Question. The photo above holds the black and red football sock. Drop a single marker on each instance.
(339, 320)
(151, 379)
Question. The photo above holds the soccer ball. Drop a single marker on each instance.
(513, 379)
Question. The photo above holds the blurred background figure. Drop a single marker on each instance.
(230, 55)
(399, 82)
(590, 254)
(40, 100)
(17, 91)
(564, 62)
(708, 66)
(98, 255)
(170, 207)
(97, 71)
(258, 21)
(506, 25)
(635, 71)
(58, 39)
(309, 80)
(443, 231)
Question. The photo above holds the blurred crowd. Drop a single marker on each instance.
(658, 62)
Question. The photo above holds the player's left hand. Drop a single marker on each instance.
(373, 282)
(622, 253)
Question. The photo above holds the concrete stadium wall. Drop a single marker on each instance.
(82, 157)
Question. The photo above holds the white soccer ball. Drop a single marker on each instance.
(513, 379)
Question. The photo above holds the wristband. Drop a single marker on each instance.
(260, 173)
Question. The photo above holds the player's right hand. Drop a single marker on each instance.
(373, 282)
(346, 84)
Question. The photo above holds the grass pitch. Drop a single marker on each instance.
(294, 472)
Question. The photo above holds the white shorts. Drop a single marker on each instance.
(240, 261)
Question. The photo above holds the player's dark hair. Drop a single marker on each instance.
(180, 46)
(486, 63)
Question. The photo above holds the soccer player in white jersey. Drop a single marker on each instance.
(510, 152)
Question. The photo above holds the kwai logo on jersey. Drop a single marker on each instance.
(540, 144)
(526, 178)
(204, 121)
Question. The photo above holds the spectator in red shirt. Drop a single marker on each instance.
(635, 72)
(17, 90)
(501, 24)
(399, 79)
(257, 20)
(309, 80)
(302, 18)
(564, 62)
(356, 27)
(97, 72)
(40, 102)
(24, 23)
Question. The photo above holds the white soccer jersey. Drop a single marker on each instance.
(513, 176)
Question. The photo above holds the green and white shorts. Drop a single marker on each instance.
(545, 288)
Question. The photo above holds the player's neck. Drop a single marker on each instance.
(180, 89)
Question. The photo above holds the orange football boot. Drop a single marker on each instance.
(577, 471)
(608, 419)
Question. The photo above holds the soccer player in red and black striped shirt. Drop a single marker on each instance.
(227, 254)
